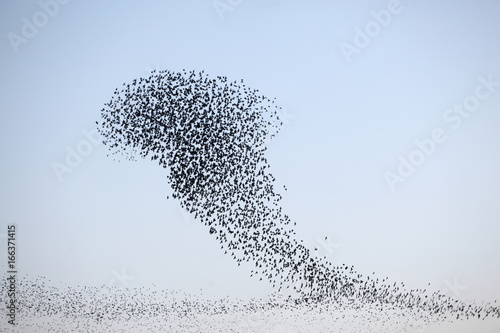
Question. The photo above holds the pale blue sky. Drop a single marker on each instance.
(350, 123)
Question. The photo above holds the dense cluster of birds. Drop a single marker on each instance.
(211, 135)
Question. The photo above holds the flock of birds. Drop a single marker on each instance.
(47, 306)
(211, 135)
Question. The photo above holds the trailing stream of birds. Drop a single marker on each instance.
(210, 135)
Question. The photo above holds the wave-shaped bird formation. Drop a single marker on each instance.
(211, 135)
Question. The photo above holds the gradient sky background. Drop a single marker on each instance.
(349, 123)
